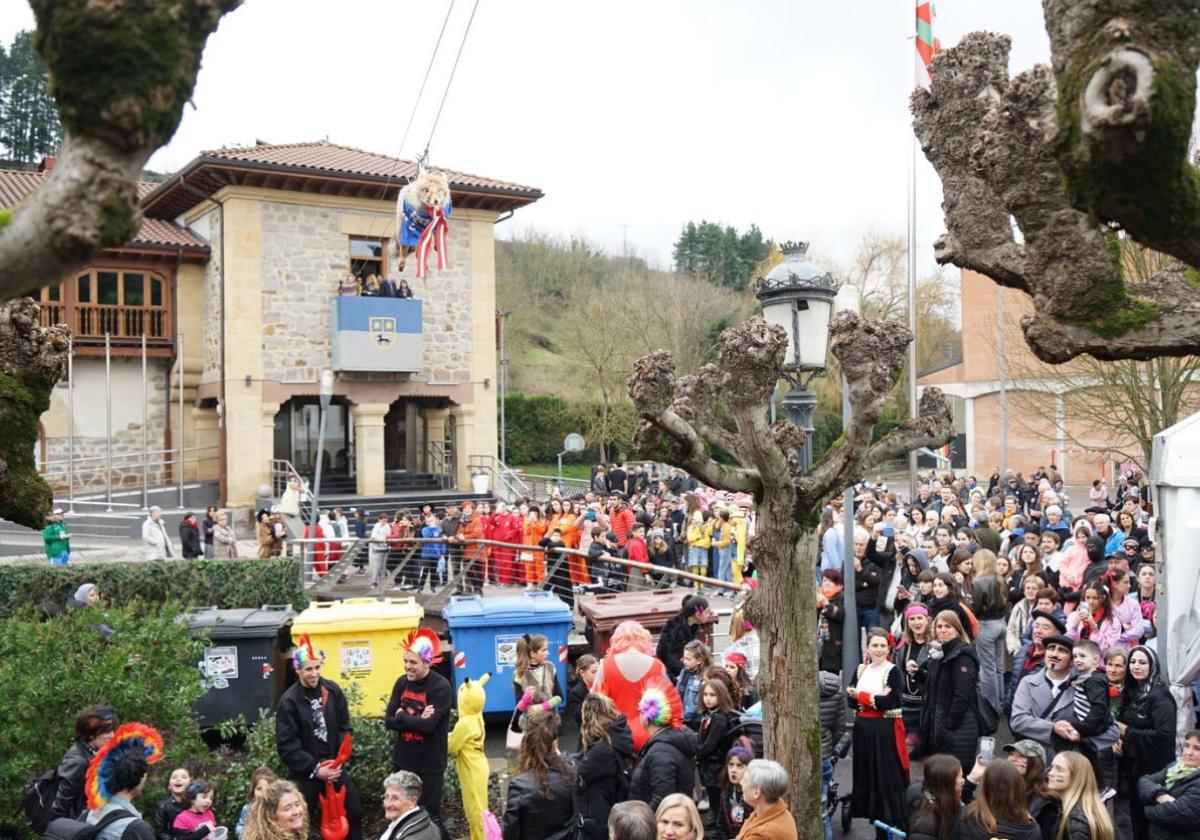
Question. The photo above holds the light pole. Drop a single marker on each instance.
(326, 393)
(798, 296)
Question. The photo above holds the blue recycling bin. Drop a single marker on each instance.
(484, 632)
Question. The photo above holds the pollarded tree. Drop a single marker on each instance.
(120, 73)
(679, 426)
(1072, 153)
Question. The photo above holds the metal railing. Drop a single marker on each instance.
(139, 470)
(282, 472)
(396, 564)
(505, 484)
(439, 463)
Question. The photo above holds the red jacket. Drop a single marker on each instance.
(622, 523)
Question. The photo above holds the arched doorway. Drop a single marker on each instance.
(297, 429)
(403, 434)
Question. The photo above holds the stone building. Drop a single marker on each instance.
(233, 281)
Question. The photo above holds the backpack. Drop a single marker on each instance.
(65, 828)
(38, 798)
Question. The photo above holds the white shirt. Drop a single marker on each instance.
(873, 679)
(387, 832)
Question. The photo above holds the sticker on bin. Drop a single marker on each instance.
(562, 653)
(221, 663)
(460, 659)
(506, 651)
(356, 656)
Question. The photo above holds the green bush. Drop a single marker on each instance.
(146, 671)
(535, 426)
(228, 584)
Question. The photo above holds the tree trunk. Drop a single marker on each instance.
(785, 555)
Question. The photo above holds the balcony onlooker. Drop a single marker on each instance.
(349, 286)
(371, 287)
(387, 287)
(403, 290)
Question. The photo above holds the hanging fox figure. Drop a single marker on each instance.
(421, 212)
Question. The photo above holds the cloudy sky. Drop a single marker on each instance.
(632, 117)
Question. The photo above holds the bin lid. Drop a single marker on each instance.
(618, 606)
(358, 615)
(529, 607)
(241, 624)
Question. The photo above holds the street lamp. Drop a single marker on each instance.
(798, 296)
(326, 394)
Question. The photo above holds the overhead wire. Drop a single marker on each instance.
(449, 81)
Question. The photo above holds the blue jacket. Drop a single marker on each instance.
(432, 551)
(689, 686)
(832, 554)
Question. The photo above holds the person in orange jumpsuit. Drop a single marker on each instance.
(571, 537)
(535, 531)
(472, 529)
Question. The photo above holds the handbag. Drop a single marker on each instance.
(987, 717)
(513, 735)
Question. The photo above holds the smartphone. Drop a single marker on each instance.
(987, 746)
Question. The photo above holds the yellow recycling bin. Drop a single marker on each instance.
(361, 638)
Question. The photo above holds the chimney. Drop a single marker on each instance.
(46, 165)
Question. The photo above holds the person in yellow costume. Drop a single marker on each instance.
(740, 528)
(466, 745)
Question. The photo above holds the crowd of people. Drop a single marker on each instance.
(980, 606)
(980, 602)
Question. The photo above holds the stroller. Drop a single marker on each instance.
(833, 801)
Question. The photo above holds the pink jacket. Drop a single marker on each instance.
(1107, 634)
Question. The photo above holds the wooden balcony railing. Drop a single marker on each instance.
(94, 321)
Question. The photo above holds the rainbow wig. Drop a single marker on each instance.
(129, 736)
(425, 644)
(660, 704)
(306, 653)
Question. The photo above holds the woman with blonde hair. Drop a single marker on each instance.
(601, 765)
(279, 813)
(743, 639)
(989, 601)
(1070, 779)
(678, 818)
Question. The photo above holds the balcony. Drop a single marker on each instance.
(376, 334)
(126, 306)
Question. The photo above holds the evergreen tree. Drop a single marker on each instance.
(29, 125)
(719, 254)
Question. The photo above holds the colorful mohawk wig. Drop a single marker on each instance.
(425, 644)
(660, 704)
(306, 653)
(128, 737)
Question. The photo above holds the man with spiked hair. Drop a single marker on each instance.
(311, 720)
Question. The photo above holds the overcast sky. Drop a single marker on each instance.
(632, 117)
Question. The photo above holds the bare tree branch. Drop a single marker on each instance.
(120, 73)
(992, 142)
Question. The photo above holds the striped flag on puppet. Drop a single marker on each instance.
(927, 45)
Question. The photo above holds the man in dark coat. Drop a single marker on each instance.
(419, 713)
(666, 765)
(311, 720)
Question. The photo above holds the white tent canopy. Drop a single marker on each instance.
(1175, 484)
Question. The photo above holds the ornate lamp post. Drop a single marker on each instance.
(798, 296)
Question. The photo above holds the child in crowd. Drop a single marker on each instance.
(743, 695)
(1092, 714)
(715, 723)
(169, 808)
(197, 819)
(695, 659)
(733, 811)
(433, 555)
(585, 672)
(925, 586)
(261, 779)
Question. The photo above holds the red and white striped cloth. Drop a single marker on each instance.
(433, 235)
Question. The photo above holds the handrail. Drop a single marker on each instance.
(83, 459)
(452, 541)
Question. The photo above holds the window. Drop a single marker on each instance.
(134, 291)
(368, 256)
(108, 288)
(85, 289)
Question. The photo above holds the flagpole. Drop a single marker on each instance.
(910, 44)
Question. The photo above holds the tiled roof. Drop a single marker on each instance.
(16, 185)
(345, 159)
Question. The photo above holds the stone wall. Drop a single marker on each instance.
(90, 441)
(305, 252)
(212, 302)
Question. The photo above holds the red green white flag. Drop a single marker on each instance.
(927, 45)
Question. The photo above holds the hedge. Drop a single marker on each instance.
(228, 584)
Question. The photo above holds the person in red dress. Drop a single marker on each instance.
(626, 669)
(506, 527)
